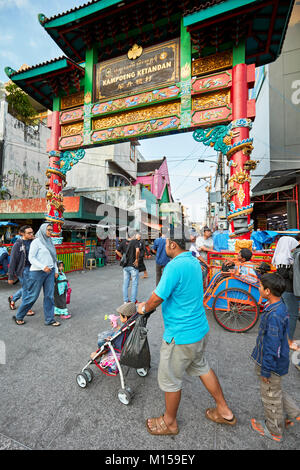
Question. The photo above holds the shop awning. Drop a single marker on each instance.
(276, 180)
(273, 190)
(70, 225)
(7, 223)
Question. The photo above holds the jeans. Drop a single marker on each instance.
(103, 335)
(292, 305)
(38, 280)
(4, 262)
(129, 272)
(24, 283)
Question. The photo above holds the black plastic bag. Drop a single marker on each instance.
(136, 352)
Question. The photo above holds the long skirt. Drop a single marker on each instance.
(60, 302)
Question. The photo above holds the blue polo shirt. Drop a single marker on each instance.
(181, 289)
(160, 247)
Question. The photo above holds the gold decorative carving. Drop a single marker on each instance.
(186, 71)
(241, 195)
(245, 147)
(213, 63)
(73, 100)
(72, 129)
(239, 244)
(135, 52)
(241, 177)
(211, 100)
(250, 165)
(230, 193)
(151, 112)
(88, 97)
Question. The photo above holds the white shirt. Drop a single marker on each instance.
(39, 257)
(207, 242)
(194, 250)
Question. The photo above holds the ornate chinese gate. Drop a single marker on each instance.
(140, 69)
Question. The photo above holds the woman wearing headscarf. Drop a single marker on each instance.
(43, 270)
(283, 259)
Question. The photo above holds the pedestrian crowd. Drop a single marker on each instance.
(181, 277)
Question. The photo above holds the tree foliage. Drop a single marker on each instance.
(19, 105)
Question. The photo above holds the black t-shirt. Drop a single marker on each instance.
(141, 246)
(131, 247)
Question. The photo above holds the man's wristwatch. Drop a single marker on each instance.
(143, 309)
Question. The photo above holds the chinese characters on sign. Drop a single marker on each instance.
(157, 66)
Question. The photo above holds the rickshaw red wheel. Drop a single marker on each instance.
(243, 311)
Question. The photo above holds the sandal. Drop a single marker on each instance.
(291, 422)
(18, 322)
(54, 323)
(261, 428)
(213, 415)
(11, 303)
(30, 313)
(160, 428)
(294, 346)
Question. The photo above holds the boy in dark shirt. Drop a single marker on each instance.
(271, 355)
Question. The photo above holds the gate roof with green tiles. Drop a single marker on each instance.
(128, 70)
(114, 26)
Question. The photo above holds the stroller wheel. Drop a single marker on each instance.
(89, 373)
(142, 372)
(82, 380)
(124, 396)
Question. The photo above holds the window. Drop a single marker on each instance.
(117, 181)
(132, 152)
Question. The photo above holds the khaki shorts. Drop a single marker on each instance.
(176, 359)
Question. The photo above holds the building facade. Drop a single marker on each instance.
(22, 156)
(275, 182)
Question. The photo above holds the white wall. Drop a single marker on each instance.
(261, 133)
(92, 170)
(25, 158)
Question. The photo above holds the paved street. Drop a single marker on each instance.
(42, 407)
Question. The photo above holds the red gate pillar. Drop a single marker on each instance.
(238, 155)
(56, 178)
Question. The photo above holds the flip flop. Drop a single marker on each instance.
(21, 322)
(213, 415)
(54, 323)
(261, 428)
(291, 422)
(294, 346)
(30, 313)
(11, 303)
(160, 429)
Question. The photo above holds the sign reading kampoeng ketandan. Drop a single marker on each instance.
(157, 66)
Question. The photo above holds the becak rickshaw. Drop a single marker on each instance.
(234, 301)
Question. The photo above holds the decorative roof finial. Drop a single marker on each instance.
(9, 71)
(42, 18)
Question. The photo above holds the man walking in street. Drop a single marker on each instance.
(183, 349)
(130, 248)
(159, 248)
(19, 265)
(204, 244)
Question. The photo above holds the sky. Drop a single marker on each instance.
(24, 41)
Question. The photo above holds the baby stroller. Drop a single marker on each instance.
(107, 360)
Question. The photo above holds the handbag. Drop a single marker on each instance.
(136, 351)
(68, 298)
